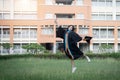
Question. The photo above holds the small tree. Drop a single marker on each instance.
(33, 47)
(105, 48)
(7, 46)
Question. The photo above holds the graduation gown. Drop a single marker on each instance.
(70, 43)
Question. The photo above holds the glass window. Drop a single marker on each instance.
(48, 16)
(101, 16)
(17, 33)
(109, 16)
(6, 15)
(103, 33)
(95, 16)
(101, 2)
(117, 16)
(48, 2)
(79, 2)
(118, 46)
(94, 3)
(6, 33)
(96, 47)
(25, 5)
(118, 33)
(118, 3)
(47, 30)
(25, 33)
(80, 16)
(83, 31)
(110, 33)
(6, 3)
(1, 14)
(96, 33)
(33, 33)
(108, 3)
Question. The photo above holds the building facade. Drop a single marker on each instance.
(33, 21)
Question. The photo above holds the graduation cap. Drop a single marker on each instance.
(87, 39)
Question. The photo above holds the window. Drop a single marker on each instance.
(79, 2)
(48, 16)
(110, 33)
(96, 33)
(64, 2)
(6, 32)
(48, 2)
(16, 48)
(118, 3)
(101, 2)
(118, 33)
(104, 3)
(17, 33)
(94, 2)
(4, 5)
(47, 30)
(83, 30)
(25, 5)
(25, 33)
(65, 15)
(80, 16)
(33, 33)
(109, 16)
(102, 16)
(118, 46)
(95, 16)
(25, 16)
(96, 47)
(108, 3)
(117, 16)
(0, 33)
(103, 33)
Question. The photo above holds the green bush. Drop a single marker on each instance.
(59, 55)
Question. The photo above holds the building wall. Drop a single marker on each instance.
(32, 21)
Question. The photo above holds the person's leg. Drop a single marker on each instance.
(88, 59)
(73, 66)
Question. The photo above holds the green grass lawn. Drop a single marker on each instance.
(54, 69)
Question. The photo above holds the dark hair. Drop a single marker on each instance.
(73, 28)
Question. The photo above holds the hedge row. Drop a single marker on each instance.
(59, 56)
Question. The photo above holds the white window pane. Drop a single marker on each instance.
(103, 33)
(109, 16)
(25, 5)
(7, 5)
(95, 17)
(79, 2)
(108, 3)
(6, 16)
(110, 33)
(80, 16)
(48, 2)
(1, 5)
(118, 3)
(101, 16)
(48, 16)
(95, 47)
(117, 16)
(96, 33)
(94, 3)
(118, 33)
(102, 2)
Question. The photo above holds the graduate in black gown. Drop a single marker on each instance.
(70, 44)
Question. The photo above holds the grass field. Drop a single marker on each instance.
(54, 69)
